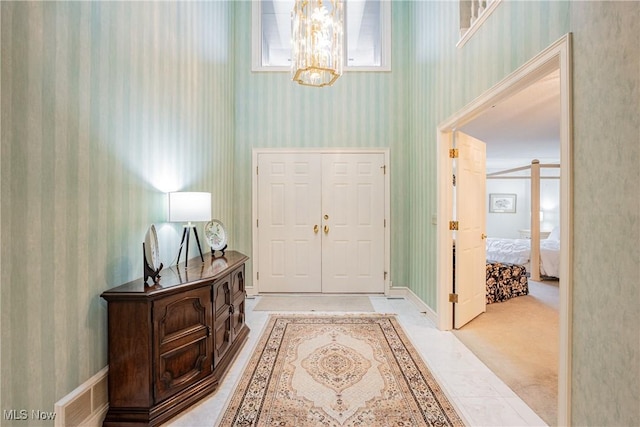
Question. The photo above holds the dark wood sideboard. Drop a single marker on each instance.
(170, 344)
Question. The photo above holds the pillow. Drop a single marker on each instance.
(555, 234)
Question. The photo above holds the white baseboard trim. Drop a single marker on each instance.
(98, 417)
(402, 291)
(87, 405)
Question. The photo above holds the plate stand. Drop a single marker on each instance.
(148, 270)
(224, 248)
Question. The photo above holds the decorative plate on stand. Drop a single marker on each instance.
(216, 235)
(151, 254)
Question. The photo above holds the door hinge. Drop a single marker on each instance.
(453, 298)
(257, 275)
(385, 275)
(256, 170)
(453, 225)
(256, 222)
(384, 169)
(453, 153)
(385, 223)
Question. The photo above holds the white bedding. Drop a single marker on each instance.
(517, 251)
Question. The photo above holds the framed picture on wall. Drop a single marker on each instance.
(502, 203)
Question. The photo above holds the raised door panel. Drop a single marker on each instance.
(222, 318)
(238, 299)
(353, 222)
(237, 284)
(289, 242)
(183, 340)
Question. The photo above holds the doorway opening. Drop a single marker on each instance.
(556, 57)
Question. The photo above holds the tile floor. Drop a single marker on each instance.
(481, 398)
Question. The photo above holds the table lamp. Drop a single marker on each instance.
(189, 206)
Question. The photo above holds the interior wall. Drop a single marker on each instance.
(549, 204)
(443, 80)
(606, 78)
(507, 224)
(106, 106)
(606, 220)
(361, 109)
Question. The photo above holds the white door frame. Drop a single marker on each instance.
(555, 57)
(255, 288)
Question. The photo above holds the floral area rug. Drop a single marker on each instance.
(358, 370)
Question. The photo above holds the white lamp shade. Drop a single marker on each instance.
(189, 206)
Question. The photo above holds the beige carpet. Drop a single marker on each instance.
(347, 303)
(337, 370)
(518, 340)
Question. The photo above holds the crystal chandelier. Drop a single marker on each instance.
(317, 27)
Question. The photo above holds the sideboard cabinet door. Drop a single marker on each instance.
(182, 340)
(238, 299)
(222, 318)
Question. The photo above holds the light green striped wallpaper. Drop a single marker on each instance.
(359, 110)
(105, 107)
(443, 79)
(108, 105)
(606, 169)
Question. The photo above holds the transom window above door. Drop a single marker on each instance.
(367, 40)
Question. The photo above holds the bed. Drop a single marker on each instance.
(518, 251)
(541, 257)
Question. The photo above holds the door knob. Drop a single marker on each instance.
(315, 229)
(483, 236)
(326, 216)
(326, 229)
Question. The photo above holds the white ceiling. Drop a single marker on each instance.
(523, 127)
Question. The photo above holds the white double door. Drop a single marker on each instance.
(321, 220)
